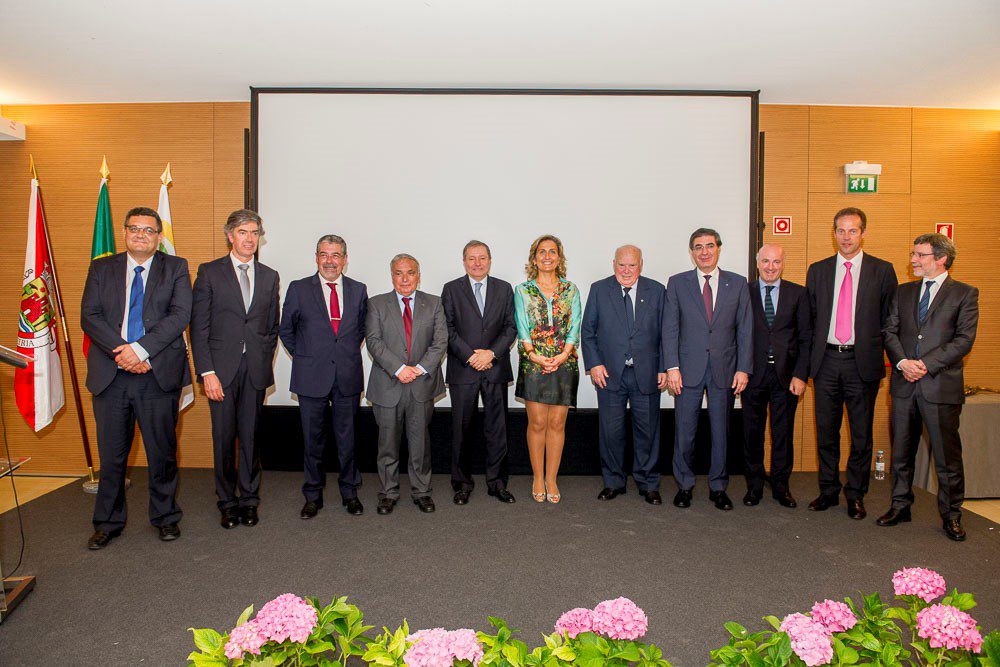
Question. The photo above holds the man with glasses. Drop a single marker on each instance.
(136, 306)
(323, 327)
(849, 296)
(234, 330)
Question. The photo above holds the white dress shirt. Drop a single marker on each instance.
(482, 290)
(938, 280)
(338, 285)
(838, 280)
(129, 277)
(250, 272)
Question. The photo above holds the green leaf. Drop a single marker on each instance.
(991, 647)
(208, 641)
(963, 601)
(564, 652)
(245, 616)
(735, 629)
(321, 646)
(202, 660)
(871, 643)
(773, 622)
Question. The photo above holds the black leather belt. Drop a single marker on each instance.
(840, 348)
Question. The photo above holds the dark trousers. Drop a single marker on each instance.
(774, 394)
(316, 431)
(687, 406)
(129, 398)
(464, 403)
(645, 409)
(234, 419)
(909, 417)
(838, 385)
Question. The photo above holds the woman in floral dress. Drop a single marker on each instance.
(548, 314)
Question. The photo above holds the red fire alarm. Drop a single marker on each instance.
(946, 228)
(783, 225)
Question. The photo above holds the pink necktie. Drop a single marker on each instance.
(845, 307)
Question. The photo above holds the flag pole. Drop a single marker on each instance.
(90, 486)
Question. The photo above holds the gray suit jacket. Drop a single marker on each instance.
(386, 340)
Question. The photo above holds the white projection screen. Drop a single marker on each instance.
(425, 171)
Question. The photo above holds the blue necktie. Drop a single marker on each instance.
(925, 302)
(479, 299)
(135, 328)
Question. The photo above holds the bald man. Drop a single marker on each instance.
(621, 352)
(782, 332)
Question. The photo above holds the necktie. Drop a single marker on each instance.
(629, 313)
(925, 302)
(245, 285)
(706, 296)
(479, 298)
(845, 308)
(768, 305)
(136, 330)
(334, 308)
(408, 324)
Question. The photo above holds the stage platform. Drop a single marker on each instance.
(691, 570)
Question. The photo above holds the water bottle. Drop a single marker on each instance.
(880, 465)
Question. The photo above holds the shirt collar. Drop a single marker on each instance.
(855, 261)
(400, 297)
(339, 282)
(473, 281)
(145, 265)
(237, 261)
(938, 280)
(714, 274)
(776, 284)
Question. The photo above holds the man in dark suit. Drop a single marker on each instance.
(234, 330)
(479, 310)
(849, 295)
(622, 329)
(931, 327)
(707, 346)
(782, 336)
(407, 336)
(136, 306)
(323, 327)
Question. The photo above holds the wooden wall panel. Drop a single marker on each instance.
(840, 135)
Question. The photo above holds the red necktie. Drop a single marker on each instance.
(334, 308)
(407, 323)
(706, 296)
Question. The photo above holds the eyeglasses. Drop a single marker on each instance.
(921, 254)
(707, 246)
(331, 255)
(136, 229)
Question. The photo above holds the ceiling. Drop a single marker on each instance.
(929, 53)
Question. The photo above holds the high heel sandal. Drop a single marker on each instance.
(539, 497)
(553, 498)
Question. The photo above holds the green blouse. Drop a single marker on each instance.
(548, 324)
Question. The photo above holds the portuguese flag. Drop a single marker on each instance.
(103, 244)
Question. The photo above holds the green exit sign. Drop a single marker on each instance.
(864, 183)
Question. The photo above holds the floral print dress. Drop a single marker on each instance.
(548, 324)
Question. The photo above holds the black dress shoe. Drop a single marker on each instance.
(856, 509)
(100, 539)
(503, 495)
(462, 497)
(249, 516)
(823, 503)
(230, 518)
(354, 506)
(894, 516)
(610, 494)
(752, 497)
(310, 509)
(721, 500)
(385, 506)
(425, 503)
(651, 497)
(785, 499)
(170, 532)
(683, 498)
(953, 529)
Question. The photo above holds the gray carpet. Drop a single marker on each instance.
(690, 570)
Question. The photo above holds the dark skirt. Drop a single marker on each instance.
(557, 388)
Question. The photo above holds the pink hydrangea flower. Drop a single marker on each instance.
(575, 621)
(948, 627)
(834, 616)
(246, 638)
(438, 647)
(287, 617)
(810, 639)
(620, 619)
(925, 584)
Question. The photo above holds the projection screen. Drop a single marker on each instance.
(423, 172)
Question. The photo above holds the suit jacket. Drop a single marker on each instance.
(606, 341)
(789, 337)
(321, 357)
(386, 341)
(876, 285)
(945, 337)
(689, 341)
(468, 330)
(166, 311)
(221, 326)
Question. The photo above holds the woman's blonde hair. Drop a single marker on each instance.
(530, 267)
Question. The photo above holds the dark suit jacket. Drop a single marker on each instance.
(605, 336)
(789, 337)
(166, 311)
(386, 341)
(688, 339)
(876, 286)
(468, 330)
(321, 357)
(945, 337)
(221, 326)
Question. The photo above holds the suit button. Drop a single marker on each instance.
(707, 350)
(242, 342)
(246, 321)
(920, 336)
